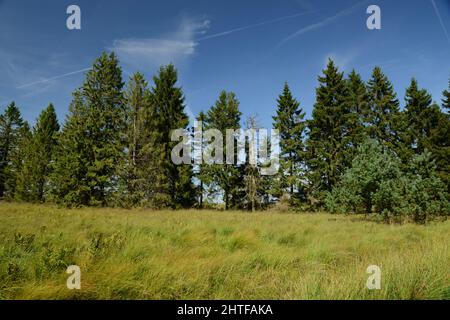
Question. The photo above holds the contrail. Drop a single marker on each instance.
(321, 24)
(440, 20)
(53, 78)
(224, 33)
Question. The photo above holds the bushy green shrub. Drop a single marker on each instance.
(372, 166)
(376, 184)
(423, 192)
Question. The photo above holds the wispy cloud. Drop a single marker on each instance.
(171, 48)
(322, 23)
(436, 10)
(177, 46)
(260, 24)
(137, 52)
(343, 60)
(174, 47)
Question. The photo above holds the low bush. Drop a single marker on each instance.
(376, 184)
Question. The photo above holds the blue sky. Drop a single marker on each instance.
(250, 47)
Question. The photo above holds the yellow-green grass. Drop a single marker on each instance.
(141, 254)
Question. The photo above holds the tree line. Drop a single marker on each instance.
(114, 148)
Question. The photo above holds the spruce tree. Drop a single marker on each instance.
(438, 142)
(17, 156)
(135, 176)
(291, 126)
(440, 137)
(385, 121)
(427, 128)
(68, 181)
(225, 115)
(91, 144)
(357, 118)
(176, 185)
(446, 99)
(326, 145)
(38, 154)
(10, 131)
(418, 118)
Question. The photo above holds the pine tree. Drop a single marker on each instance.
(225, 115)
(91, 146)
(38, 154)
(372, 165)
(326, 146)
(10, 131)
(385, 121)
(376, 183)
(168, 111)
(291, 126)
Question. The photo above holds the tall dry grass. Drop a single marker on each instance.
(138, 254)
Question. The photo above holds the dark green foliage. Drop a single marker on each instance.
(116, 146)
(17, 156)
(11, 134)
(139, 165)
(440, 140)
(418, 117)
(358, 116)
(291, 127)
(90, 146)
(376, 184)
(174, 186)
(372, 165)
(326, 145)
(225, 115)
(424, 195)
(32, 181)
(439, 143)
(446, 99)
(427, 127)
(385, 122)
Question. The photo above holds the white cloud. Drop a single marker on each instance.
(342, 60)
(174, 47)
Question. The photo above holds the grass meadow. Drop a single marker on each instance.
(141, 254)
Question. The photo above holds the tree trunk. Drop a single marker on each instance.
(201, 195)
(226, 199)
